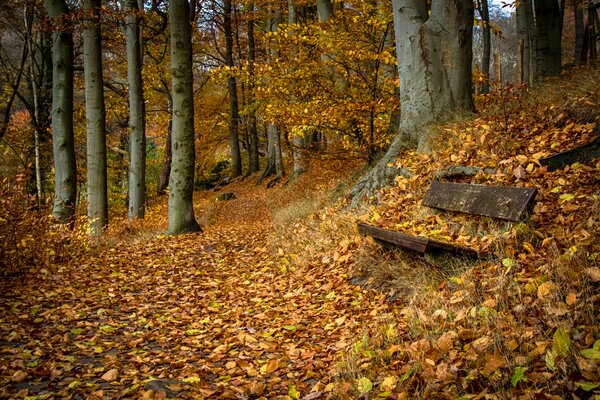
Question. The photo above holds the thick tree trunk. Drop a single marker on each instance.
(487, 44)
(434, 62)
(234, 144)
(95, 116)
(253, 161)
(181, 183)
(548, 37)
(137, 135)
(274, 164)
(324, 9)
(63, 142)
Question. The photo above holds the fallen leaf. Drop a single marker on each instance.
(110, 375)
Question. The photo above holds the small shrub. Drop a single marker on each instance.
(28, 238)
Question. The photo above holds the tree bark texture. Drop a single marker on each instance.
(298, 142)
(324, 9)
(234, 143)
(253, 161)
(137, 128)
(165, 171)
(487, 44)
(181, 183)
(95, 116)
(63, 142)
(548, 37)
(434, 62)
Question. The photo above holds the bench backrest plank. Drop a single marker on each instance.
(503, 202)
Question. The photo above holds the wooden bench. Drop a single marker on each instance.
(502, 202)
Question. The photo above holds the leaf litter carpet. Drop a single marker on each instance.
(209, 315)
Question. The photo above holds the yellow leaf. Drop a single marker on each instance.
(294, 393)
(364, 385)
(389, 383)
(269, 367)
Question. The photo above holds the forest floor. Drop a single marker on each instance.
(212, 314)
(279, 297)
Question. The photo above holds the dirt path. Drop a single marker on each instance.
(209, 315)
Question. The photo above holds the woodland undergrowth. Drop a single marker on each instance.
(280, 297)
(520, 323)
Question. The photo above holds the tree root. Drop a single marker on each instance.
(294, 176)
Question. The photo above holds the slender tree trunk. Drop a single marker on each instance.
(298, 142)
(548, 37)
(579, 31)
(137, 134)
(234, 143)
(181, 183)
(63, 143)
(165, 171)
(253, 165)
(487, 44)
(95, 116)
(275, 159)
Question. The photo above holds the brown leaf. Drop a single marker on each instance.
(19, 376)
(593, 273)
(493, 362)
(110, 375)
(519, 172)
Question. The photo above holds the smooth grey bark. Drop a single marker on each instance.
(253, 160)
(298, 143)
(548, 38)
(234, 143)
(165, 171)
(526, 38)
(181, 182)
(95, 117)
(487, 44)
(28, 15)
(274, 164)
(63, 142)
(274, 157)
(579, 31)
(324, 9)
(137, 125)
(434, 64)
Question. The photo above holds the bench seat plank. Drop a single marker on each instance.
(417, 243)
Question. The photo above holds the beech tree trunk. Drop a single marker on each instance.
(165, 171)
(137, 128)
(324, 9)
(181, 183)
(275, 159)
(298, 143)
(434, 62)
(548, 37)
(63, 142)
(234, 143)
(95, 116)
(253, 160)
(487, 44)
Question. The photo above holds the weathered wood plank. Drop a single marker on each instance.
(580, 154)
(416, 243)
(504, 202)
